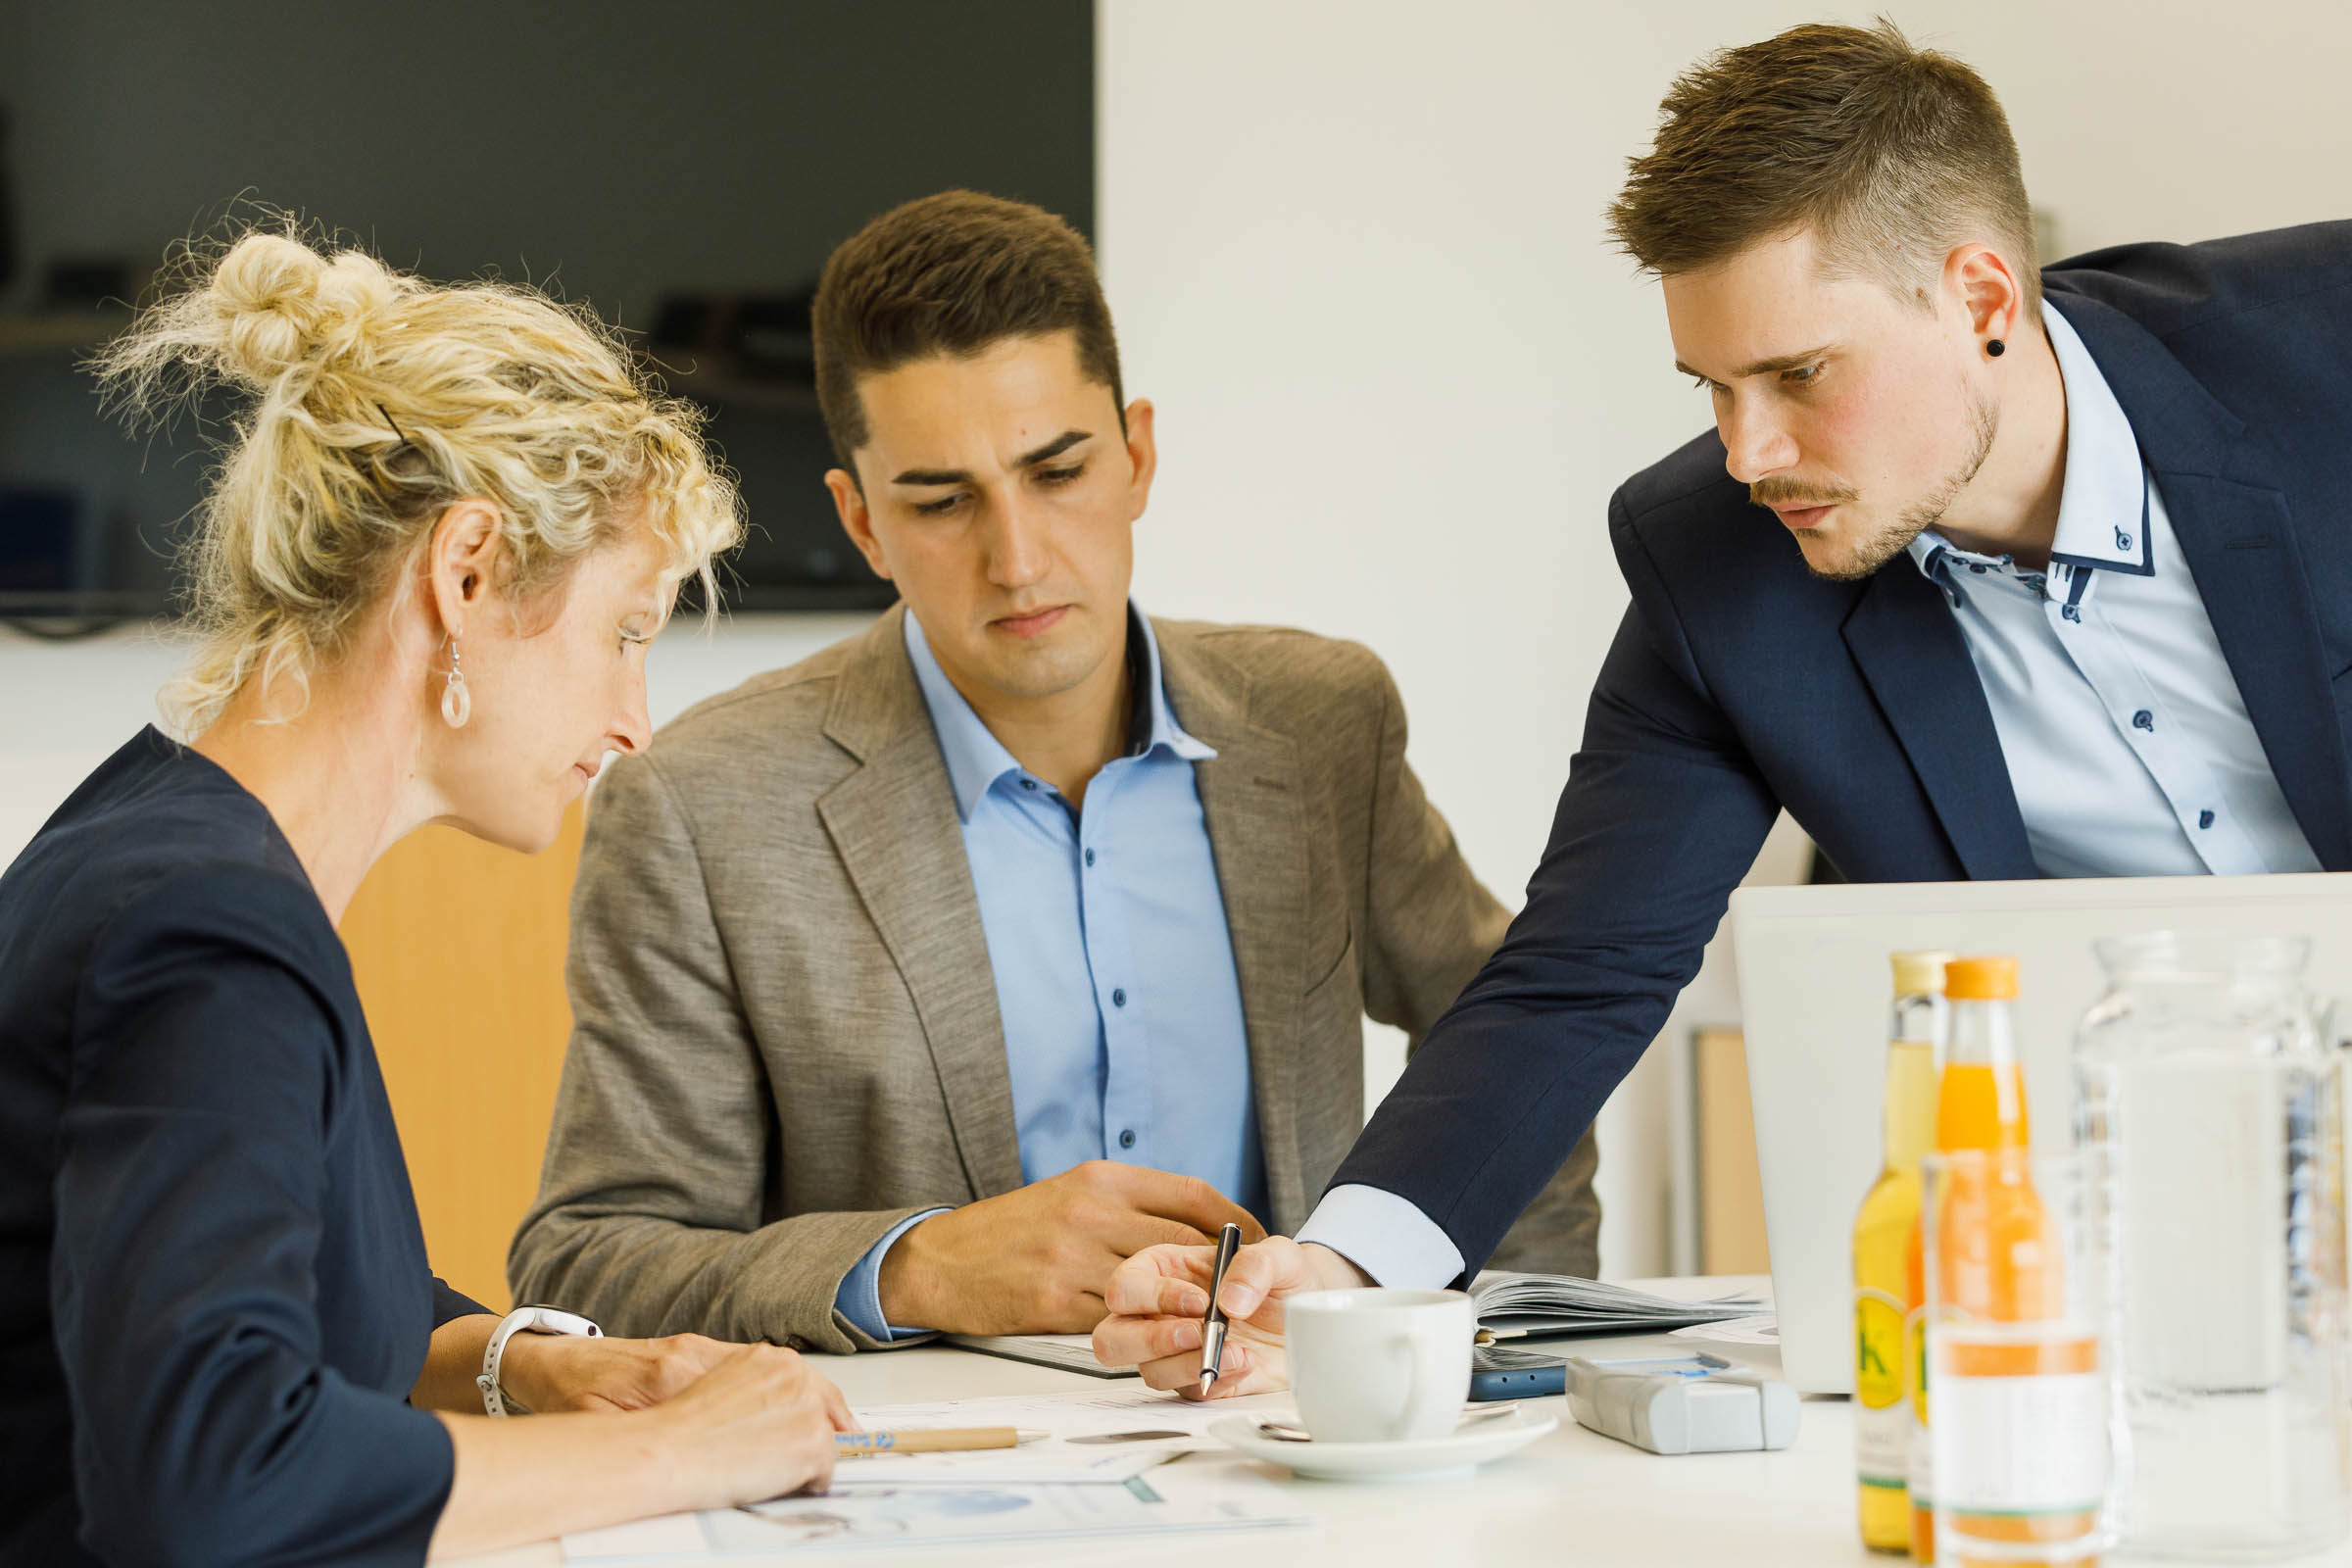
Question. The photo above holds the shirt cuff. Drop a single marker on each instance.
(860, 1298)
(1385, 1236)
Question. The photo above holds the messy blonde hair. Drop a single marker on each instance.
(378, 400)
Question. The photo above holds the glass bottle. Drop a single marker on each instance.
(1884, 1230)
(2020, 1466)
(1980, 1104)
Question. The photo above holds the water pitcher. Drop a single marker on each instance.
(2204, 1077)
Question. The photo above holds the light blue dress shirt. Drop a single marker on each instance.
(1113, 964)
(2128, 744)
(2127, 741)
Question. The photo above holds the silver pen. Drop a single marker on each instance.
(1212, 1322)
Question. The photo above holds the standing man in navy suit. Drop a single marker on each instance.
(1983, 572)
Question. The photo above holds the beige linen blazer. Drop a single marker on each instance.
(785, 1032)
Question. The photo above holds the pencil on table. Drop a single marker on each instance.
(930, 1439)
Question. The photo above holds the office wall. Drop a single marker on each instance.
(1355, 254)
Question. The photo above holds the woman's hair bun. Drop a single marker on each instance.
(282, 305)
(375, 401)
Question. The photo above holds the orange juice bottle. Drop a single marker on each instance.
(2032, 1391)
(1883, 1298)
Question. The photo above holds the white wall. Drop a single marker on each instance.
(1355, 254)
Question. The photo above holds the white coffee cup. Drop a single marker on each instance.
(1379, 1365)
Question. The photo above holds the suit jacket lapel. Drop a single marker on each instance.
(2233, 527)
(893, 824)
(1252, 796)
(1912, 654)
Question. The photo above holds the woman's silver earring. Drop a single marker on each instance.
(457, 703)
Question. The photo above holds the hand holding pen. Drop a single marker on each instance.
(1213, 1323)
(1179, 1311)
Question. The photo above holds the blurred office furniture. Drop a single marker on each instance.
(1730, 1191)
(458, 947)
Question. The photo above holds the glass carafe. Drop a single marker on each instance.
(2203, 1077)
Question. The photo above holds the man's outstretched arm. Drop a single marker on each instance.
(1662, 815)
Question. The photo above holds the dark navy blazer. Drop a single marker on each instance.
(213, 1297)
(1740, 684)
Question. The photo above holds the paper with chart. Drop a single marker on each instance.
(903, 1517)
(1096, 1436)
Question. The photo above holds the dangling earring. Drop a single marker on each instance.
(457, 703)
(1994, 348)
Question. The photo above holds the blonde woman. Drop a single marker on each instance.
(424, 582)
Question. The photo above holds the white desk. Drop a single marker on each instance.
(1572, 1497)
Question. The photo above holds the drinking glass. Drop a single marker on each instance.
(2023, 1420)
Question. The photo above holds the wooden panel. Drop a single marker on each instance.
(457, 948)
(1730, 1191)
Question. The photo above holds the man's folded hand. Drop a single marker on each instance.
(1038, 1261)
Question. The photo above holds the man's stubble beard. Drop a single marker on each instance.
(1892, 540)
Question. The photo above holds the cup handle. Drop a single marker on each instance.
(1420, 1391)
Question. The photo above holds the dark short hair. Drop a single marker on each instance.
(1889, 153)
(951, 275)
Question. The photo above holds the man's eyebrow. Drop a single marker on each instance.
(1772, 367)
(1050, 450)
(1053, 449)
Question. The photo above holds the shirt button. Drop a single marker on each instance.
(2204, 820)
(1028, 783)
(1090, 856)
(1118, 998)
(1127, 1138)
(2143, 720)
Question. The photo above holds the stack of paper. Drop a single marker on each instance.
(1520, 1306)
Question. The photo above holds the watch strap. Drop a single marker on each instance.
(524, 1320)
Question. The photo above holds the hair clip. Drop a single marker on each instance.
(394, 424)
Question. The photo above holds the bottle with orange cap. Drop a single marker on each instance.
(2028, 1390)
(1884, 1228)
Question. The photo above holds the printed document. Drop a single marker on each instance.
(903, 1517)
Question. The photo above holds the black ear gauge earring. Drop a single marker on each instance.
(1994, 348)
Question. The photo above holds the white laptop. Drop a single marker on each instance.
(1815, 988)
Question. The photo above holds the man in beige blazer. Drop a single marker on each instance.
(865, 1042)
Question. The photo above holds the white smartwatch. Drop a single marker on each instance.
(524, 1321)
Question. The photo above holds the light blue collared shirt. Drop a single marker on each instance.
(2126, 742)
(1113, 964)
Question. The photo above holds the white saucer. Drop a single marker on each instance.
(1428, 1460)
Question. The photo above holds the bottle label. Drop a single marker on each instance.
(1882, 1446)
(1882, 1420)
(1877, 1349)
(2020, 1444)
(1915, 1370)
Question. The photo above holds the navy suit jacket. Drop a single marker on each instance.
(1740, 684)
